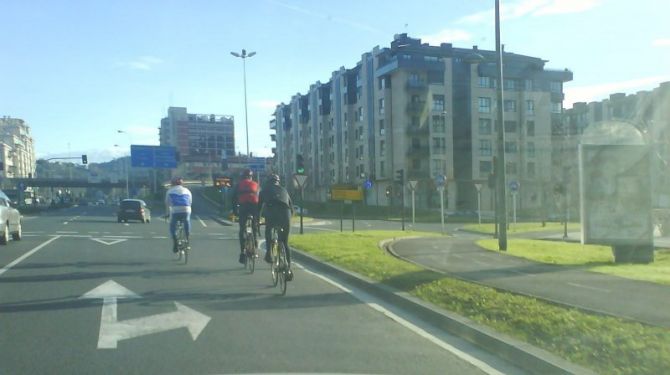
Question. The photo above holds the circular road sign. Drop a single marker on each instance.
(367, 185)
(513, 186)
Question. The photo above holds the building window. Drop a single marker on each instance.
(484, 105)
(510, 168)
(530, 107)
(416, 164)
(528, 84)
(381, 106)
(510, 147)
(438, 166)
(510, 126)
(510, 105)
(485, 167)
(438, 124)
(510, 84)
(530, 169)
(438, 103)
(382, 83)
(530, 128)
(382, 169)
(381, 127)
(484, 126)
(414, 78)
(360, 114)
(555, 86)
(530, 149)
(484, 82)
(556, 107)
(485, 147)
(438, 145)
(382, 148)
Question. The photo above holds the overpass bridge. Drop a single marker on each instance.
(64, 183)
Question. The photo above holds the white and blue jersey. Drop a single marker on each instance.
(178, 200)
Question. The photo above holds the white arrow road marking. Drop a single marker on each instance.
(109, 242)
(112, 331)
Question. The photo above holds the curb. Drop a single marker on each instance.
(521, 354)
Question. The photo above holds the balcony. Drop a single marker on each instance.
(413, 85)
(417, 130)
(417, 107)
(421, 151)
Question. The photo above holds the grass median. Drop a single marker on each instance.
(604, 344)
(519, 228)
(592, 257)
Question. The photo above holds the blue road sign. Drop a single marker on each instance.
(21, 186)
(367, 185)
(513, 186)
(440, 180)
(153, 156)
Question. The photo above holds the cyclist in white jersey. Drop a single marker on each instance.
(178, 201)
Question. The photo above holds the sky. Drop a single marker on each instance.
(78, 71)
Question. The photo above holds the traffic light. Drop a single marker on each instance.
(400, 176)
(84, 159)
(389, 191)
(299, 164)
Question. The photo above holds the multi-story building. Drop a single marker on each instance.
(428, 110)
(202, 141)
(17, 149)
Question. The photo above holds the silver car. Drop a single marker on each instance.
(10, 219)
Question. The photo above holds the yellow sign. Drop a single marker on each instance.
(346, 195)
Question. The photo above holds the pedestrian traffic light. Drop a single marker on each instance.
(84, 159)
(400, 176)
(299, 164)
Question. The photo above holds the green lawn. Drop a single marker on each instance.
(521, 227)
(604, 344)
(591, 257)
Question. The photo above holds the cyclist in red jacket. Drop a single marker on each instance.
(245, 200)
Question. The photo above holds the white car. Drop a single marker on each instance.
(10, 219)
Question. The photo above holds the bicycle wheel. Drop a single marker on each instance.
(249, 253)
(283, 269)
(274, 266)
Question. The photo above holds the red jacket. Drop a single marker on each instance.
(247, 191)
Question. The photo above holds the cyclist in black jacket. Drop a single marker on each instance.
(277, 208)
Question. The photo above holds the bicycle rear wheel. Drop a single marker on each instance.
(283, 269)
(249, 253)
(274, 266)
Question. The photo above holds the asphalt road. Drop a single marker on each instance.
(81, 293)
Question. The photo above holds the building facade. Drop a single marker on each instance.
(429, 111)
(202, 141)
(17, 150)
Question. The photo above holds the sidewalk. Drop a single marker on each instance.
(460, 257)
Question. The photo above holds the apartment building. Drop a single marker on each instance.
(430, 111)
(17, 150)
(201, 140)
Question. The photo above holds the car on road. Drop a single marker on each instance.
(10, 218)
(133, 209)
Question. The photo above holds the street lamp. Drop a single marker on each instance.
(127, 166)
(244, 56)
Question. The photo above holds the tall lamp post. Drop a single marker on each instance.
(127, 166)
(244, 56)
(501, 210)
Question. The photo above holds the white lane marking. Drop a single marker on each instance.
(126, 232)
(65, 223)
(93, 232)
(159, 237)
(26, 255)
(66, 232)
(32, 232)
(590, 287)
(524, 273)
(326, 229)
(109, 242)
(112, 330)
(200, 220)
(412, 327)
(122, 237)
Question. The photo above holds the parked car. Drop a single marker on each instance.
(298, 209)
(133, 209)
(11, 220)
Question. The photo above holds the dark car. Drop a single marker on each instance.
(133, 209)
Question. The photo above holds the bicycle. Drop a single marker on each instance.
(279, 266)
(250, 245)
(182, 242)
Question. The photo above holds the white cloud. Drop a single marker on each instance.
(603, 90)
(446, 36)
(265, 104)
(142, 63)
(533, 8)
(661, 42)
